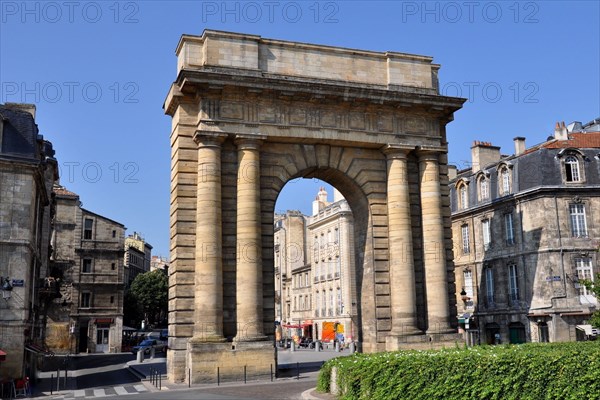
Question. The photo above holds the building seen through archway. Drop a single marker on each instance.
(315, 291)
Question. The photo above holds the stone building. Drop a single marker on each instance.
(88, 259)
(315, 256)
(290, 265)
(159, 262)
(526, 229)
(138, 257)
(28, 170)
(331, 249)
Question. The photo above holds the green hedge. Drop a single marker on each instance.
(528, 371)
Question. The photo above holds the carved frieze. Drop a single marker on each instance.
(318, 117)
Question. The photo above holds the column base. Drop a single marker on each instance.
(227, 362)
(242, 339)
(397, 342)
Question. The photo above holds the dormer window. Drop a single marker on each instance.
(483, 187)
(572, 169)
(462, 193)
(504, 180)
(464, 196)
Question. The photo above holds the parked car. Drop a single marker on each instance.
(147, 344)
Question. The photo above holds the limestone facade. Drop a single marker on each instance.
(525, 231)
(28, 170)
(138, 257)
(88, 261)
(248, 115)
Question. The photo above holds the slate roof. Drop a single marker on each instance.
(20, 133)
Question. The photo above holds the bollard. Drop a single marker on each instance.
(271, 372)
(159, 381)
(218, 376)
(65, 385)
(352, 347)
(189, 377)
(317, 346)
(152, 352)
(245, 374)
(298, 370)
(140, 356)
(293, 346)
(51, 383)
(337, 347)
(58, 380)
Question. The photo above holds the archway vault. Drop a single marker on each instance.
(250, 114)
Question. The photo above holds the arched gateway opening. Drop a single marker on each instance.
(250, 114)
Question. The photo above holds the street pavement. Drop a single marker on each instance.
(120, 374)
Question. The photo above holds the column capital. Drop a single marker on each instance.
(430, 153)
(396, 151)
(209, 139)
(249, 141)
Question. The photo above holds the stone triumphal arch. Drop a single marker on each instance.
(248, 115)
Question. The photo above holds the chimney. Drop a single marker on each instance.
(452, 172)
(519, 145)
(483, 154)
(29, 108)
(560, 131)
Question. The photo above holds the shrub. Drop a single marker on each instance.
(528, 371)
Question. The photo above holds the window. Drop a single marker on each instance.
(465, 239)
(112, 266)
(86, 266)
(505, 181)
(584, 271)
(484, 189)
(468, 282)
(464, 196)
(572, 169)
(331, 302)
(487, 234)
(337, 236)
(86, 300)
(112, 299)
(339, 301)
(114, 233)
(578, 222)
(509, 229)
(489, 286)
(88, 224)
(513, 285)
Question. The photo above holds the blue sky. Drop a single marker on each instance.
(99, 72)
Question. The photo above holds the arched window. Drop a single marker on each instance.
(504, 181)
(464, 196)
(572, 169)
(484, 188)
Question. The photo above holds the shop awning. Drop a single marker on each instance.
(586, 328)
(104, 320)
(2, 355)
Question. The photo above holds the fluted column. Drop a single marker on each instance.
(249, 290)
(402, 269)
(208, 289)
(434, 247)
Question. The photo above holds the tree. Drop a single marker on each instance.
(151, 292)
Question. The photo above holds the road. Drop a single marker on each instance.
(112, 375)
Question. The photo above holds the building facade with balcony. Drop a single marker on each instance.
(28, 170)
(88, 260)
(526, 230)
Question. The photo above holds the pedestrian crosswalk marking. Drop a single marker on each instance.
(79, 393)
(99, 393)
(140, 388)
(120, 390)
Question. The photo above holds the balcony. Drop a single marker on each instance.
(49, 288)
(337, 275)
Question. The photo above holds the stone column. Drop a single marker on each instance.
(402, 269)
(249, 290)
(208, 292)
(434, 246)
